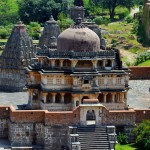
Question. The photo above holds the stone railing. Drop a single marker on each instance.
(76, 55)
(55, 106)
(114, 106)
(112, 86)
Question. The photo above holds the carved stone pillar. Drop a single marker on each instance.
(105, 94)
(94, 64)
(112, 63)
(73, 64)
(30, 96)
(113, 97)
(104, 63)
(62, 97)
(61, 63)
(53, 97)
(52, 63)
(44, 97)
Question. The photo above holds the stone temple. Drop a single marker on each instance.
(16, 55)
(77, 97)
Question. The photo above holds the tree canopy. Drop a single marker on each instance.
(78, 3)
(40, 10)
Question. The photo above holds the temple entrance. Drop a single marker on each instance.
(91, 117)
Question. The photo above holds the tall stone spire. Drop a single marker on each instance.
(50, 34)
(78, 9)
(16, 55)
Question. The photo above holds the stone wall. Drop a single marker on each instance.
(50, 129)
(121, 118)
(4, 115)
(55, 137)
(138, 73)
(142, 114)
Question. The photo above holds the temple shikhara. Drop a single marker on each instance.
(77, 90)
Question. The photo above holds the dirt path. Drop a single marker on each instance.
(130, 56)
(134, 11)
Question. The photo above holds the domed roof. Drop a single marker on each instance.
(78, 38)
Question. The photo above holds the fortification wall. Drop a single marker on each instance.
(50, 129)
(120, 117)
(4, 115)
(138, 73)
(142, 114)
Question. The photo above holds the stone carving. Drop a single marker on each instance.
(50, 33)
(16, 55)
(78, 9)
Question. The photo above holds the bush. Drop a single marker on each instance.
(101, 20)
(122, 12)
(5, 31)
(63, 21)
(142, 133)
(34, 29)
(122, 138)
(142, 57)
(129, 19)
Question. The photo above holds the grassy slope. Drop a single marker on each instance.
(126, 147)
(120, 32)
(146, 63)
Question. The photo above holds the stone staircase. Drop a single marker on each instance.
(93, 138)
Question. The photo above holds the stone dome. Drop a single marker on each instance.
(78, 38)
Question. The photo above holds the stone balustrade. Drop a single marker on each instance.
(56, 106)
(114, 106)
(76, 55)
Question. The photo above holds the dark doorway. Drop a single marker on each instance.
(90, 116)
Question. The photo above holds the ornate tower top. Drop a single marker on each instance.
(50, 34)
(79, 3)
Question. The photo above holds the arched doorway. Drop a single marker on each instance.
(58, 98)
(67, 98)
(84, 97)
(90, 117)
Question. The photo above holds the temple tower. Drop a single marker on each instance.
(50, 34)
(16, 55)
(77, 10)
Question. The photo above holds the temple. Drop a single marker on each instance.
(17, 54)
(77, 92)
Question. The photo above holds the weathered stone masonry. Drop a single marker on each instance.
(45, 129)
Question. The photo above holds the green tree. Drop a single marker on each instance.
(78, 3)
(112, 4)
(8, 11)
(39, 10)
(142, 133)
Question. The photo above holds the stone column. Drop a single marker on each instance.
(104, 63)
(73, 64)
(112, 63)
(61, 63)
(53, 97)
(113, 97)
(62, 97)
(44, 97)
(30, 96)
(94, 64)
(105, 94)
(52, 63)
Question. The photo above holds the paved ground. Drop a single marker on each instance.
(138, 96)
